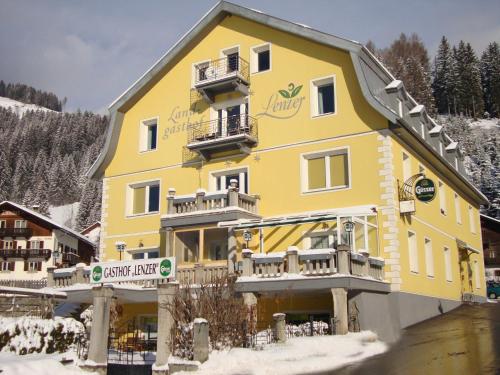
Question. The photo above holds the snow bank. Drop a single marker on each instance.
(29, 335)
(299, 355)
(39, 364)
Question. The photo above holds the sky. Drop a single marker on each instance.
(91, 51)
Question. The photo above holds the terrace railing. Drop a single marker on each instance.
(223, 128)
(221, 69)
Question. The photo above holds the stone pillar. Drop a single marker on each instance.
(233, 193)
(250, 301)
(292, 255)
(170, 201)
(166, 242)
(340, 315)
(166, 294)
(98, 347)
(80, 268)
(365, 270)
(51, 282)
(279, 327)
(343, 259)
(231, 251)
(200, 340)
(247, 262)
(200, 195)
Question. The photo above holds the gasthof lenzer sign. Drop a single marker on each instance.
(142, 269)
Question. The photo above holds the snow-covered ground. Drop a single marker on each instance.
(20, 108)
(65, 215)
(299, 355)
(39, 364)
(493, 123)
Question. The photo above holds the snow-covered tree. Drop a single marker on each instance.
(490, 78)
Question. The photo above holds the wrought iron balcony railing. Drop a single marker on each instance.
(25, 253)
(70, 258)
(218, 70)
(224, 128)
(16, 232)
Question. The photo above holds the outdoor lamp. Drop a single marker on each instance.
(348, 227)
(120, 247)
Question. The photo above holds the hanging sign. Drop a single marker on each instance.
(134, 270)
(425, 191)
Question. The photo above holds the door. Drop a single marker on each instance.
(232, 62)
(465, 271)
(233, 120)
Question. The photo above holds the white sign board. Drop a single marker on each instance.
(141, 269)
(406, 207)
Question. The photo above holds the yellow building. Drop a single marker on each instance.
(255, 132)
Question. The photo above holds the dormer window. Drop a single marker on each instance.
(148, 137)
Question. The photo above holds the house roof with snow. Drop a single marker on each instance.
(375, 80)
(47, 220)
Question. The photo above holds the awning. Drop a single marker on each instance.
(465, 246)
(312, 217)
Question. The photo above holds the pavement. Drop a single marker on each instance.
(463, 341)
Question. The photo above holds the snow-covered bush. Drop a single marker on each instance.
(29, 335)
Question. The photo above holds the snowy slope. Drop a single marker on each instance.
(493, 123)
(20, 108)
(65, 215)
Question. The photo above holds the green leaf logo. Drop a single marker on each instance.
(97, 273)
(296, 91)
(165, 267)
(291, 92)
(284, 94)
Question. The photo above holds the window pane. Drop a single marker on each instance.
(372, 240)
(152, 129)
(319, 242)
(338, 170)
(359, 236)
(139, 200)
(154, 198)
(153, 254)
(138, 256)
(325, 99)
(316, 173)
(264, 60)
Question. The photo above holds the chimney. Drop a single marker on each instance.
(36, 207)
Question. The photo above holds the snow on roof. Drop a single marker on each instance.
(417, 110)
(436, 129)
(452, 146)
(394, 85)
(48, 220)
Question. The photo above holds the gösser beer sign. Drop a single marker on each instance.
(142, 269)
(425, 191)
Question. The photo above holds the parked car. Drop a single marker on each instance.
(493, 290)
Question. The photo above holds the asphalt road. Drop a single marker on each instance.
(463, 341)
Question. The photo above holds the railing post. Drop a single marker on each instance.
(279, 327)
(293, 259)
(247, 262)
(198, 273)
(170, 201)
(51, 282)
(200, 195)
(233, 193)
(343, 259)
(200, 340)
(80, 268)
(365, 269)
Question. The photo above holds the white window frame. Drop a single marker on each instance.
(413, 251)
(442, 197)
(25, 225)
(212, 182)
(193, 70)
(4, 266)
(144, 251)
(31, 264)
(406, 166)
(304, 172)
(9, 244)
(143, 134)
(429, 257)
(313, 87)
(130, 197)
(254, 58)
(472, 222)
(330, 233)
(458, 209)
(230, 50)
(33, 242)
(447, 264)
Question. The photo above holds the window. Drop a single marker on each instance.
(20, 224)
(7, 266)
(442, 198)
(3, 224)
(33, 266)
(222, 180)
(323, 96)
(320, 242)
(232, 56)
(149, 135)
(8, 244)
(406, 167)
(472, 222)
(34, 244)
(477, 278)
(200, 71)
(146, 255)
(326, 170)
(458, 211)
(429, 258)
(412, 251)
(145, 198)
(261, 58)
(447, 264)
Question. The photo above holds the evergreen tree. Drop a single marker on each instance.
(442, 84)
(5, 177)
(490, 78)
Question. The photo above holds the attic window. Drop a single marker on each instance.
(261, 58)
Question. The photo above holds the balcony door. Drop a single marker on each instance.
(222, 180)
(231, 117)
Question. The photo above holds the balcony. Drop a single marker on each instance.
(239, 132)
(203, 207)
(228, 74)
(16, 232)
(70, 258)
(25, 253)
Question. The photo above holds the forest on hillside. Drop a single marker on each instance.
(30, 95)
(44, 159)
